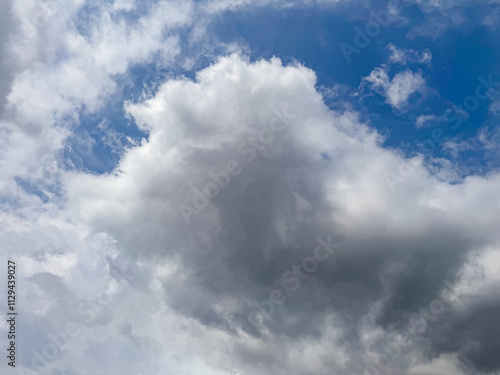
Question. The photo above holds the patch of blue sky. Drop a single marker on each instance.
(102, 137)
(31, 188)
(312, 37)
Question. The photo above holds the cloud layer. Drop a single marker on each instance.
(322, 173)
(247, 227)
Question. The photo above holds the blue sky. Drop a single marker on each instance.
(460, 55)
(240, 187)
(312, 36)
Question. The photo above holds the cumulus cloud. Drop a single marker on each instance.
(217, 215)
(198, 282)
(399, 89)
(62, 67)
(218, 268)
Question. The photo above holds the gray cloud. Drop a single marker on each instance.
(396, 249)
(179, 292)
(7, 71)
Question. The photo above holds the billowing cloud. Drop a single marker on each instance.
(244, 173)
(251, 230)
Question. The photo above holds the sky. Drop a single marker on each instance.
(242, 187)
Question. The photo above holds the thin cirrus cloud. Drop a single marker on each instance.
(404, 56)
(425, 120)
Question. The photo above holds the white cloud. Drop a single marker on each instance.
(425, 120)
(192, 281)
(455, 148)
(495, 107)
(404, 56)
(196, 128)
(400, 88)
